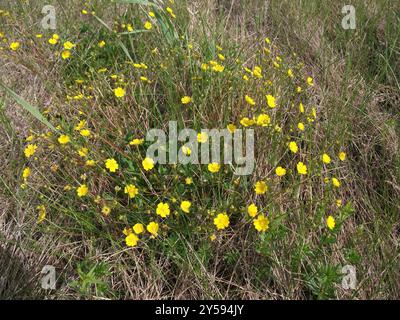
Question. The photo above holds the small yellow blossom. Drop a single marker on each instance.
(136, 142)
(342, 156)
(336, 182)
(271, 101)
(221, 221)
(250, 100)
(131, 190)
(148, 164)
(82, 190)
(214, 167)
(261, 223)
(152, 228)
(84, 132)
(293, 146)
(280, 171)
(263, 120)
(14, 46)
(300, 126)
(260, 187)
(301, 168)
(186, 100)
(106, 210)
(185, 206)
(252, 210)
(112, 165)
(131, 240)
(326, 158)
(163, 210)
(330, 222)
(26, 173)
(202, 137)
(138, 228)
(119, 92)
(63, 139)
(231, 128)
(148, 25)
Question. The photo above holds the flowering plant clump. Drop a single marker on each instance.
(93, 179)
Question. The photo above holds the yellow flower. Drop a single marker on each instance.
(250, 101)
(310, 81)
(148, 164)
(214, 167)
(290, 73)
(30, 150)
(338, 203)
(112, 165)
(101, 44)
(326, 158)
(152, 228)
(106, 210)
(42, 213)
(136, 142)
(330, 222)
(218, 68)
(65, 54)
(152, 14)
(342, 156)
(245, 122)
(260, 187)
(14, 46)
(127, 231)
(263, 120)
(336, 182)
(119, 92)
(80, 125)
(231, 127)
(53, 41)
(82, 190)
(186, 100)
(85, 132)
(185, 206)
(300, 126)
(148, 25)
(63, 139)
(83, 152)
(293, 146)
(90, 163)
(131, 240)
(221, 221)
(213, 237)
(188, 181)
(163, 209)
(131, 190)
(68, 45)
(301, 108)
(26, 173)
(252, 210)
(138, 228)
(271, 101)
(186, 150)
(280, 171)
(301, 168)
(261, 223)
(202, 137)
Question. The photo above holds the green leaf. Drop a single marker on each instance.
(28, 107)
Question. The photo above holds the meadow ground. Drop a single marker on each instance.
(78, 192)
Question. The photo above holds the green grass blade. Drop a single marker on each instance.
(28, 107)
